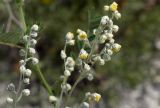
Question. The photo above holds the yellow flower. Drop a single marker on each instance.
(116, 47)
(83, 54)
(97, 97)
(114, 6)
(82, 35)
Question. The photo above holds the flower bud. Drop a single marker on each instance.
(9, 100)
(71, 42)
(104, 20)
(90, 77)
(69, 36)
(102, 39)
(106, 8)
(68, 87)
(11, 87)
(87, 67)
(97, 97)
(35, 60)
(117, 15)
(70, 62)
(22, 52)
(111, 41)
(33, 42)
(26, 92)
(110, 52)
(115, 28)
(52, 99)
(101, 62)
(84, 105)
(26, 81)
(35, 27)
(22, 62)
(25, 38)
(116, 47)
(109, 35)
(70, 69)
(34, 34)
(67, 73)
(22, 69)
(28, 72)
(63, 54)
(87, 94)
(32, 51)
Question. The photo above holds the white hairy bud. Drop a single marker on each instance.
(22, 69)
(52, 99)
(101, 62)
(106, 8)
(33, 42)
(67, 73)
(71, 42)
(9, 100)
(26, 81)
(35, 27)
(87, 67)
(22, 62)
(35, 60)
(34, 34)
(84, 105)
(26, 92)
(117, 15)
(63, 54)
(115, 28)
(28, 72)
(69, 36)
(32, 51)
(110, 52)
(25, 38)
(68, 87)
(90, 77)
(104, 20)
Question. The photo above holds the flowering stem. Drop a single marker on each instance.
(22, 20)
(64, 81)
(80, 77)
(44, 82)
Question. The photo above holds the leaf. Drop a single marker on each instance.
(92, 37)
(72, 54)
(10, 39)
(80, 44)
(94, 20)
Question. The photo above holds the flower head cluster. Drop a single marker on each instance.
(28, 54)
(89, 55)
(82, 35)
(93, 97)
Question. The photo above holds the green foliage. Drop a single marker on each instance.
(12, 39)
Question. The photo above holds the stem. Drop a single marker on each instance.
(80, 77)
(64, 81)
(44, 82)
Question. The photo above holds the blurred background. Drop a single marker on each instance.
(130, 80)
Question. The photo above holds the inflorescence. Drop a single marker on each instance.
(85, 61)
(28, 55)
(104, 35)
